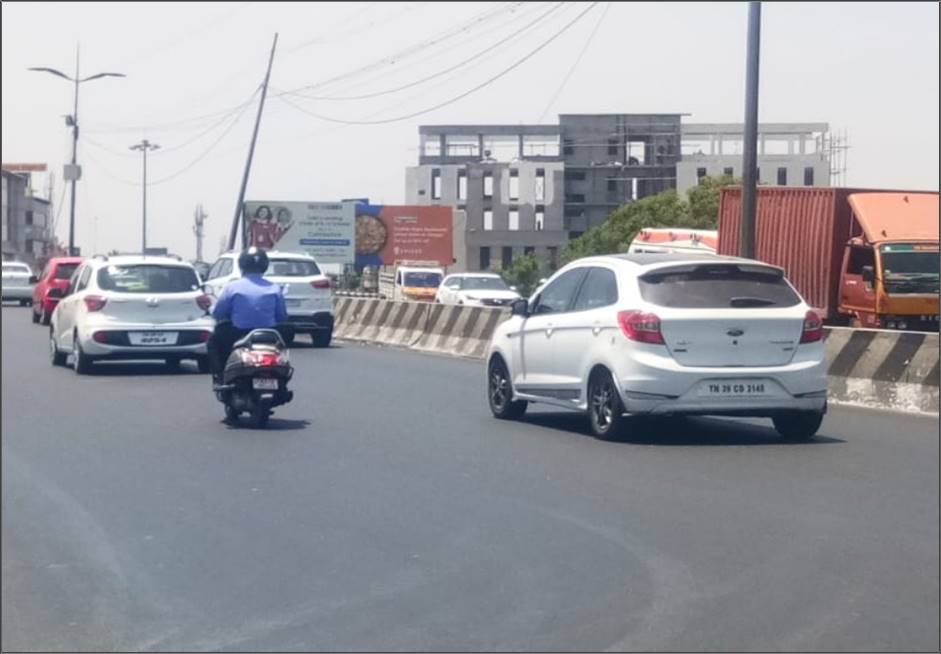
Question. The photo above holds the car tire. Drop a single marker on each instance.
(173, 365)
(605, 410)
(24, 303)
(81, 362)
(798, 427)
(321, 337)
(288, 337)
(202, 364)
(500, 392)
(56, 356)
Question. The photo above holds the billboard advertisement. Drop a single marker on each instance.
(386, 234)
(324, 230)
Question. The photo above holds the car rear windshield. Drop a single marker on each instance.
(65, 270)
(484, 284)
(148, 278)
(717, 286)
(292, 268)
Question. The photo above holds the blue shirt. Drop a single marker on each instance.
(251, 302)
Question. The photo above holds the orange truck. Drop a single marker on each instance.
(863, 257)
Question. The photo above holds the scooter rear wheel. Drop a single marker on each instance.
(231, 415)
(259, 417)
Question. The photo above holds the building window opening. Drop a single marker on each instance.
(507, 258)
(728, 172)
(488, 220)
(514, 185)
(514, 219)
(435, 184)
(540, 184)
(540, 219)
(485, 258)
(782, 176)
(488, 185)
(809, 176)
(462, 185)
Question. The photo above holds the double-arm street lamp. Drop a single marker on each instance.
(72, 121)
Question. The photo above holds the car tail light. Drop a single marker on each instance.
(204, 302)
(100, 337)
(641, 327)
(204, 336)
(813, 328)
(321, 284)
(95, 302)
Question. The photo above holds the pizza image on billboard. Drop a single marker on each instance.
(388, 234)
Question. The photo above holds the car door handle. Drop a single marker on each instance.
(596, 329)
(549, 329)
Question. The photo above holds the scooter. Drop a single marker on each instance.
(256, 377)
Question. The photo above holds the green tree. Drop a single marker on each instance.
(523, 274)
(667, 209)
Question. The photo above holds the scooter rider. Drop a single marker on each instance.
(251, 302)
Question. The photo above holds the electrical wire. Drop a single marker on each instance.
(484, 84)
(578, 59)
(454, 67)
(482, 17)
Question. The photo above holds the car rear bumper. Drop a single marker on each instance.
(319, 321)
(17, 293)
(654, 383)
(191, 339)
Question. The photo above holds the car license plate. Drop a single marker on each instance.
(262, 384)
(738, 388)
(293, 302)
(153, 338)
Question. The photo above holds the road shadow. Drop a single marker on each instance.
(274, 424)
(143, 369)
(689, 432)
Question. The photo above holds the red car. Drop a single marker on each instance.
(56, 275)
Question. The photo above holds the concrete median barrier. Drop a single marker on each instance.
(873, 368)
(883, 369)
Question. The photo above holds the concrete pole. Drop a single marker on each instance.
(750, 155)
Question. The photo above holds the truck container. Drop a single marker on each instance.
(861, 256)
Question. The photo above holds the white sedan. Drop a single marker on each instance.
(131, 307)
(476, 289)
(663, 334)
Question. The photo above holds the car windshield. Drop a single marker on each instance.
(15, 268)
(717, 286)
(292, 268)
(65, 270)
(484, 284)
(147, 278)
(423, 279)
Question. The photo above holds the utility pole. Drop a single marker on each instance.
(750, 155)
(73, 172)
(143, 147)
(251, 152)
(199, 219)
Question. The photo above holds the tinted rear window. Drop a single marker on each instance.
(148, 279)
(292, 268)
(65, 270)
(717, 286)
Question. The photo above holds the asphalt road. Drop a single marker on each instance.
(386, 510)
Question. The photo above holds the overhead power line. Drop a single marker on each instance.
(575, 63)
(454, 67)
(484, 84)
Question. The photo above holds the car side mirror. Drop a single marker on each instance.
(520, 308)
(56, 293)
(33, 279)
(869, 274)
(513, 288)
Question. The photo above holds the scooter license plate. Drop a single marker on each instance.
(261, 384)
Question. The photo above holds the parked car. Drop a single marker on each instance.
(476, 289)
(17, 282)
(663, 334)
(56, 274)
(131, 307)
(307, 292)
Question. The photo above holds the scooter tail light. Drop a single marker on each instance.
(641, 327)
(813, 328)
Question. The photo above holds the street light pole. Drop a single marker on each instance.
(750, 158)
(143, 147)
(72, 121)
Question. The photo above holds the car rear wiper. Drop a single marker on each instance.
(750, 302)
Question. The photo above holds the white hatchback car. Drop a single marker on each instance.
(476, 289)
(131, 307)
(18, 282)
(308, 293)
(663, 334)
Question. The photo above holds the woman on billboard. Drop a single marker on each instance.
(263, 228)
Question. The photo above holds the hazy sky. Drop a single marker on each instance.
(868, 68)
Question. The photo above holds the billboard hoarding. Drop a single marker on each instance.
(324, 230)
(386, 234)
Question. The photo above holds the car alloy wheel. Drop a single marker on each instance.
(500, 392)
(605, 410)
